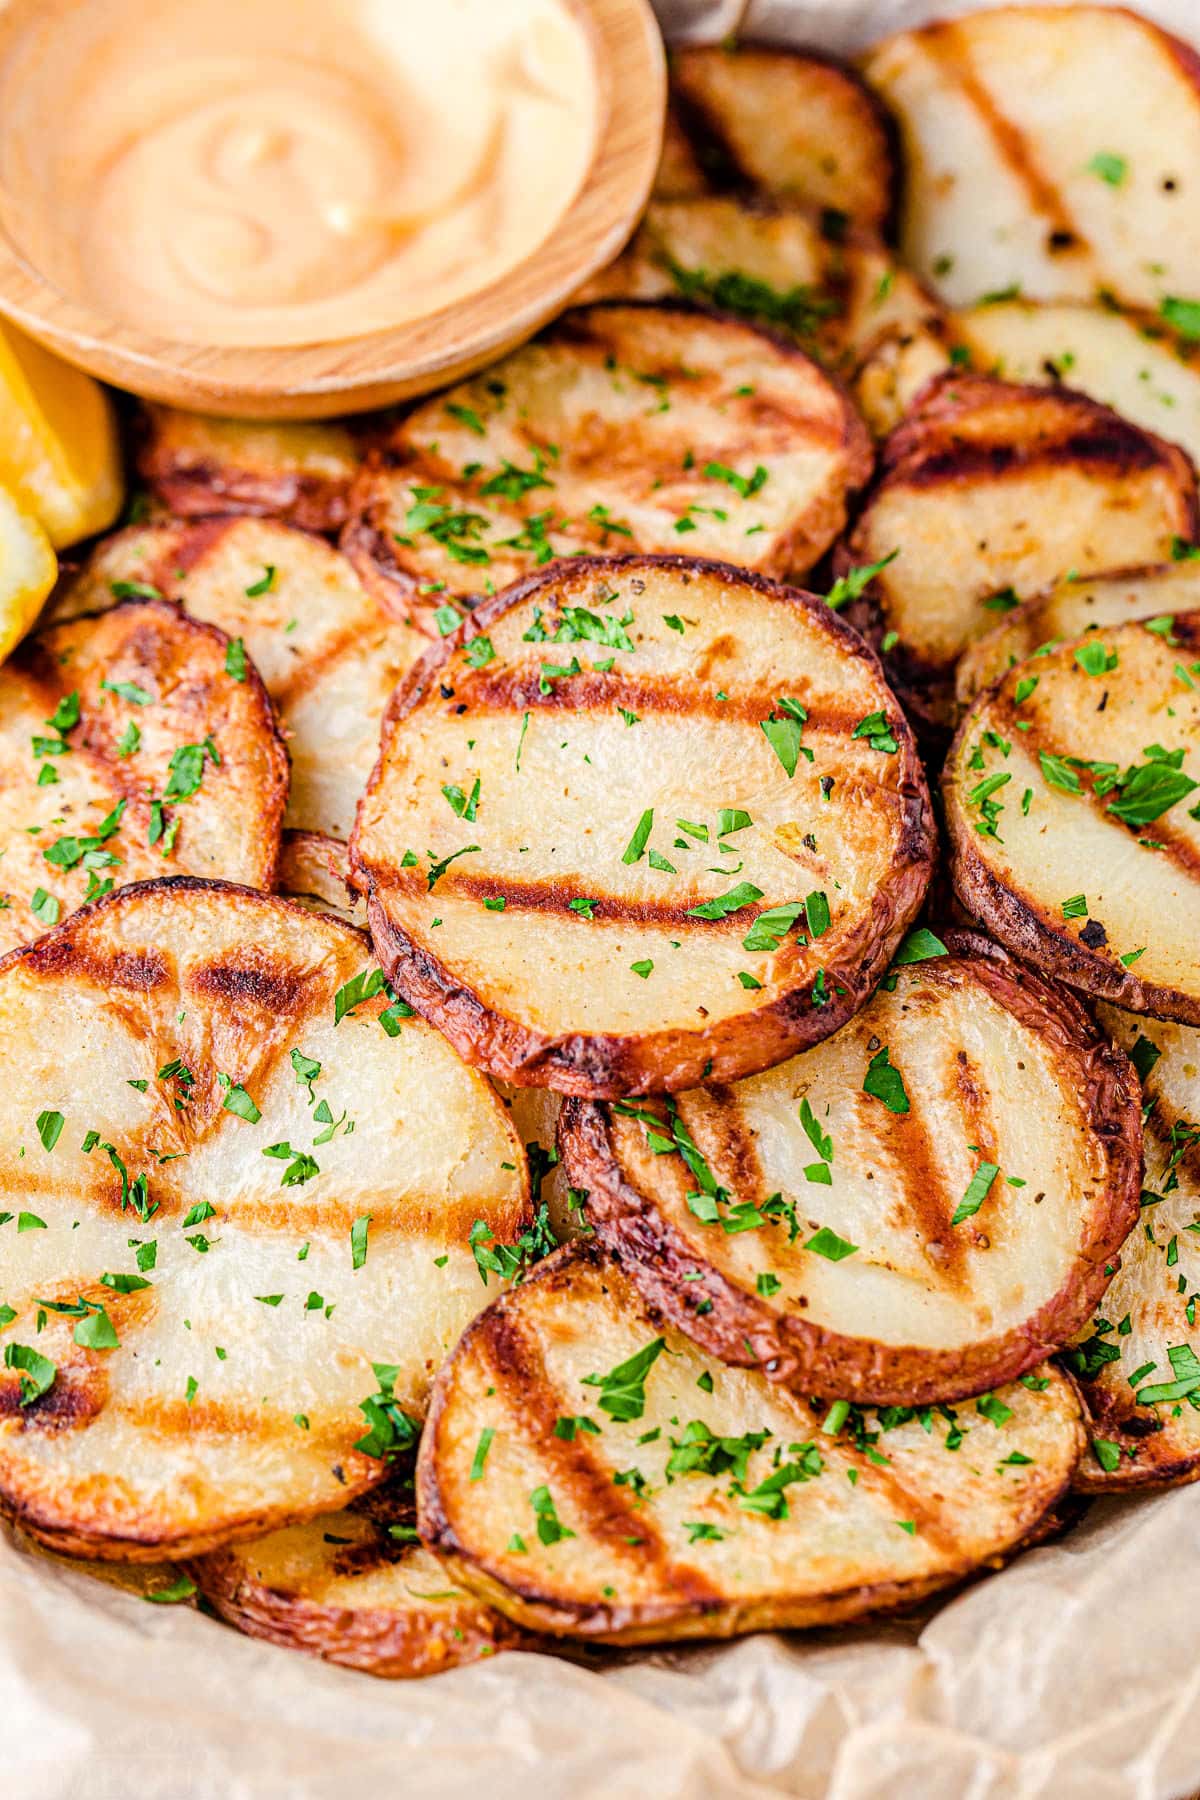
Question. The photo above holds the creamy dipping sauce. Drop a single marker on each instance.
(277, 172)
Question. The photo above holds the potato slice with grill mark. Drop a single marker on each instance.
(840, 294)
(578, 1531)
(853, 1232)
(1130, 361)
(1147, 1340)
(162, 1022)
(315, 871)
(199, 464)
(989, 492)
(789, 122)
(128, 752)
(328, 656)
(1073, 607)
(604, 812)
(343, 1588)
(1051, 149)
(624, 427)
(1070, 793)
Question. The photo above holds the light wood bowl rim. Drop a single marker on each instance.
(325, 379)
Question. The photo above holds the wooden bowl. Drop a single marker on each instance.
(319, 380)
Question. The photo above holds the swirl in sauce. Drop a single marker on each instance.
(243, 172)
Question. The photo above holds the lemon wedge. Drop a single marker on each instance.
(59, 455)
(28, 570)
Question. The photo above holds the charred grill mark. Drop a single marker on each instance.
(251, 980)
(714, 1116)
(1099, 449)
(934, 1522)
(78, 1396)
(185, 551)
(950, 46)
(517, 690)
(551, 896)
(917, 1171)
(136, 971)
(589, 1493)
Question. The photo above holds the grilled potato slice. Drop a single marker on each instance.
(315, 870)
(355, 1588)
(622, 428)
(190, 1393)
(1069, 797)
(790, 123)
(631, 1490)
(1147, 1340)
(198, 464)
(329, 657)
(127, 752)
(1127, 360)
(1074, 607)
(878, 1236)
(593, 803)
(1048, 149)
(990, 492)
(841, 294)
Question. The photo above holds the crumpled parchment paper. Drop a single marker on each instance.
(1071, 1675)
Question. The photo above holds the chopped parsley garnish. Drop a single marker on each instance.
(978, 1189)
(853, 584)
(884, 1082)
(623, 1389)
(785, 734)
(550, 1528)
(828, 1244)
(391, 1431)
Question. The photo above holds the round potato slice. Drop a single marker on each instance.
(927, 1204)
(789, 123)
(328, 655)
(840, 293)
(1049, 150)
(199, 464)
(1073, 607)
(641, 823)
(241, 1194)
(355, 1588)
(128, 751)
(622, 428)
(1139, 1367)
(990, 492)
(1070, 800)
(630, 1490)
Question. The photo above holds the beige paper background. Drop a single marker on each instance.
(1072, 1675)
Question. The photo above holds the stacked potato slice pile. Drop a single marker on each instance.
(560, 1086)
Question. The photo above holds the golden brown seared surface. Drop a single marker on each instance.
(593, 803)
(128, 752)
(1158, 591)
(785, 122)
(990, 492)
(699, 1500)
(1071, 794)
(209, 1337)
(198, 464)
(884, 1237)
(356, 1588)
(315, 870)
(1047, 149)
(622, 428)
(840, 294)
(1139, 1366)
(328, 655)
